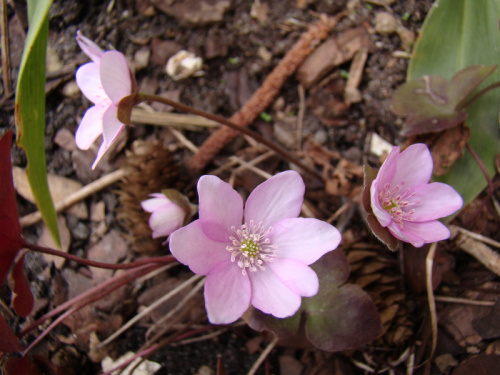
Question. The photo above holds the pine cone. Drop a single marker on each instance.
(153, 169)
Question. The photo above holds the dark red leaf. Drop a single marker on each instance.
(10, 235)
(8, 340)
(21, 366)
(22, 300)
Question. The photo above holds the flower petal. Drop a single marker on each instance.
(91, 49)
(298, 277)
(166, 219)
(221, 207)
(90, 128)
(419, 234)
(154, 203)
(415, 166)
(227, 293)
(276, 199)
(271, 296)
(115, 76)
(382, 215)
(437, 200)
(304, 239)
(111, 128)
(89, 81)
(388, 168)
(190, 246)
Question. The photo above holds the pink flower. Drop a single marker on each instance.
(166, 216)
(403, 200)
(255, 255)
(104, 81)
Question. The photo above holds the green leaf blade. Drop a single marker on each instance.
(30, 110)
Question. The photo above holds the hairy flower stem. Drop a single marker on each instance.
(154, 260)
(269, 89)
(236, 128)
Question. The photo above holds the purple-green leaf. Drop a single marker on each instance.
(433, 104)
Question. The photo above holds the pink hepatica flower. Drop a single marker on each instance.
(406, 203)
(104, 81)
(166, 216)
(255, 255)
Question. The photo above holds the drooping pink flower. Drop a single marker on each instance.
(406, 203)
(104, 81)
(257, 254)
(166, 216)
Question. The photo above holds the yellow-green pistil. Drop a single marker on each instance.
(251, 247)
(397, 204)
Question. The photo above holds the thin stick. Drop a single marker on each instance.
(263, 356)
(178, 120)
(429, 262)
(476, 236)
(7, 82)
(463, 301)
(269, 89)
(150, 308)
(77, 196)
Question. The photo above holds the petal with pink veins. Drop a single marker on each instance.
(298, 277)
(421, 233)
(190, 246)
(382, 215)
(221, 207)
(271, 296)
(304, 239)
(227, 293)
(115, 76)
(437, 200)
(415, 166)
(90, 128)
(278, 198)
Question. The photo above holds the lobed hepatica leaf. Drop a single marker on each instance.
(340, 317)
(433, 104)
(458, 34)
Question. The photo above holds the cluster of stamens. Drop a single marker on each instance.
(397, 203)
(251, 247)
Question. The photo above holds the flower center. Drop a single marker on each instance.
(251, 247)
(398, 202)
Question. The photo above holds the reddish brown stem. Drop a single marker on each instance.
(99, 290)
(124, 266)
(269, 89)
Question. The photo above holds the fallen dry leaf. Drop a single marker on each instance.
(60, 188)
(47, 240)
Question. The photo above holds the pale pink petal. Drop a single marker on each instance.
(111, 129)
(382, 215)
(415, 166)
(154, 203)
(89, 81)
(221, 207)
(437, 200)
(304, 239)
(388, 168)
(419, 234)
(276, 199)
(227, 293)
(190, 246)
(298, 277)
(115, 76)
(271, 296)
(91, 49)
(90, 128)
(166, 219)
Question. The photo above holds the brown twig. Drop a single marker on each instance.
(7, 81)
(269, 89)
